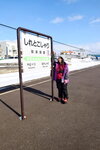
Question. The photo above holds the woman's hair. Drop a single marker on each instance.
(62, 62)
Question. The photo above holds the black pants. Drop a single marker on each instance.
(62, 89)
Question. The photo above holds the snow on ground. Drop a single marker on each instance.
(77, 64)
(74, 64)
(8, 61)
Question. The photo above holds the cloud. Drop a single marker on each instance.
(75, 18)
(57, 20)
(92, 47)
(39, 19)
(70, 1)
(96, 20)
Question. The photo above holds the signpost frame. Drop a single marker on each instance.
(20, 65)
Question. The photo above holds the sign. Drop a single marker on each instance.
(36, 53)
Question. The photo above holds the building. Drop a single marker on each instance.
(8, 49)
(74, 54)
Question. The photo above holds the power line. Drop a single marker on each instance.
(79, 48)
(53, 40)
(8, 26)
(67, 45)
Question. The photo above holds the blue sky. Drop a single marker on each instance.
(75, 22)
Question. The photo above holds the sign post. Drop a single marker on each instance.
(34, 53)
(20, 74)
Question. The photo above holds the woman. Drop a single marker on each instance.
(61, 77)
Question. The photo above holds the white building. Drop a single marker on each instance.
(74, 54)
(8, 49)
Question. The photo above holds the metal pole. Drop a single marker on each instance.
(20, 75)
(52, 67)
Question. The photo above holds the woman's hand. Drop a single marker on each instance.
(66, 81)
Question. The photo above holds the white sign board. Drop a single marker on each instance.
(36, 53)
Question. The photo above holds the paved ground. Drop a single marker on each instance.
(52, 125)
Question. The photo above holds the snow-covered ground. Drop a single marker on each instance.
(9, 61)
(74, 64)
(77, 64)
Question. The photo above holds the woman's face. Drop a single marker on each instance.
(59, 60)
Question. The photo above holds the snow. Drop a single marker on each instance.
(73, 64)
(8, 61)
(77, 64)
